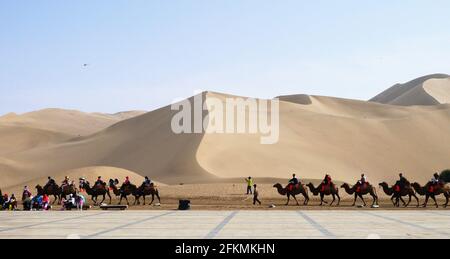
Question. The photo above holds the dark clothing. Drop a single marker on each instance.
(294, 181)
(255, 198)
(249, 190)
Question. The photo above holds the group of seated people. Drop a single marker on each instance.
(8, 202)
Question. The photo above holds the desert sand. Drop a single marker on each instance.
(405, 129)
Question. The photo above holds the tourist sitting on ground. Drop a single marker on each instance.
(36, 202)
(69, 203)
(12, 202)
(45, 202)
(80, 200)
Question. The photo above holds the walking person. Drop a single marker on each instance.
(255, 196)
(249, 181)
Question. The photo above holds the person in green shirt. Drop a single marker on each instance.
(249, 181)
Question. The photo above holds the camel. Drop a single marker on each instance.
(295, 191)
(328, 190)
(50, 190)
(146, 190)
(433, 192)
(399, 196)
(68, 189)
(95, 191)
(124, 191)
(369, 189)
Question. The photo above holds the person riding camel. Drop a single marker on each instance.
(146, 182)
(293, 182)
(125, 184)
(26, 193)
(362, 183)
(434, 182)
(99, 181)
(65, 182)
(327, 182)
(50, 182)
(402, 183)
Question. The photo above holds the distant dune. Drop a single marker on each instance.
(318, 135)
(427, 90)
(66, 121)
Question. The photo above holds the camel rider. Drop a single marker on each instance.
(99, 181)
(363, 180)
(436, 180)
(146, 182)
(50, 181)
(402, 183)
(293, 182)
(127, 181)
(65, 182)
(327, 182)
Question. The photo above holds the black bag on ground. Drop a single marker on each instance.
(184, 205)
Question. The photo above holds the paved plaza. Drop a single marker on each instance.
(226, 224)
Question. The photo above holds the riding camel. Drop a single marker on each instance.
(398, 196)
(325, 190)
(124, 191)
(360, 191)
(96, 191)
(50, 190)
(146, 190)
(430, 191)
(297, 190)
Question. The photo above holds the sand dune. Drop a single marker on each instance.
(66, 121)
(427, 90)
(318, 135)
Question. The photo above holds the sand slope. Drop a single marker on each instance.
(318, 135)
(69, 122)
(427, 90)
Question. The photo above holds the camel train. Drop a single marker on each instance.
(401, 189)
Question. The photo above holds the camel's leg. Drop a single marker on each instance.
(426, 201)
(157, 196)
(417, 199)
(334, 199)
(104, 197)
(306, 199)
(404, 203)
(289, 197)
(375, 199)
(339, 199)
(153, 199)
(296, 200)
(362, 198)
(434, 199)
(136, 200)
(144, 198)
(394, 203)
(120, 200)
(409, 201)
(109, 195)
(354, 202)
(322, 196)
(126, 198)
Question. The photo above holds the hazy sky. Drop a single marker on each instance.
(142, 54)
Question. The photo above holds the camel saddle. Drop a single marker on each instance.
(292, 187)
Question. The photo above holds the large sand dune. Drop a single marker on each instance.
(69, 122)
(318, 135)
(427, 90)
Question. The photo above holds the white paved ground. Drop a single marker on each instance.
(226, 224)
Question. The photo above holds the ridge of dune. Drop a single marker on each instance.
(417, 92)
(69, 122)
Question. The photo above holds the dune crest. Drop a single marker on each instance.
(427, 90)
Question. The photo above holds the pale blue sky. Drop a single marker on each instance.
(142, 54)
